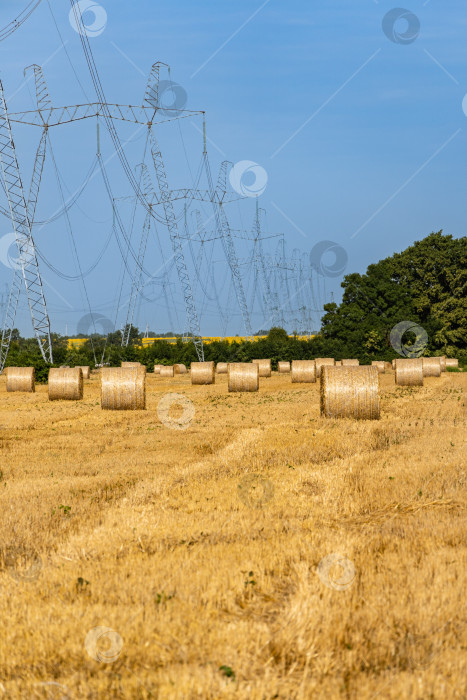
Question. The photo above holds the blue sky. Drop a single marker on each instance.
(362, 138)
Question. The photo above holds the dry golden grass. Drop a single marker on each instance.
(207, 547)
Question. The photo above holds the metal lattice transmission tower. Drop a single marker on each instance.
(271, 302)
(26, 249)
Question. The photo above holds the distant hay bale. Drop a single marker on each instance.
(388, 365)
(131, 364)
(157, 369)
(243, 376)
(303, 371)
(180, 369)
(350, 363)
(452, 362)
(123, 389)
(443, 363)
(393, 364)
(203, 373)
(65, 384)
(409, 372)
(431, 366)
(85, 370)
(323, 362)
(380, 365)
(221, 368)
(283, 367)
(167, 371)
(21, 379)
(264, 367)
(350, 392)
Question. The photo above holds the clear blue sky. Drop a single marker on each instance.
(363, 139)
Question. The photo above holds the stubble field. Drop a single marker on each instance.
(262, 552)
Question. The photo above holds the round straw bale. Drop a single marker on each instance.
(123, 389)
(203, 373)
(452, 362)
(393, 364)
(350, 363)
(21, 379)
(157, 369)
(380, 365)
(431, 366)
(180, 369)
(221, 368)
(65, 384)
(167, 371)
(303, 371)
(85, 370)
(443, 363)
(350, 392)
(388, 365)
(264, 367)
(321, 362)
(243, 376)
(131, 364)
(283, 366)
(409, 372)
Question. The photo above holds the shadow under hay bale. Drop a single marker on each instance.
(221, 368)
(409, 372)
(65, 384)
(264, 367)
(380, 365)
(431, 366)
(283, 367)
(203, 373)
(123, 389)
(323, 362)
(21, 379)
(180, 369)
(167, 371)
(243, 376)
(303, 371)
(350, 392)
(85, 370)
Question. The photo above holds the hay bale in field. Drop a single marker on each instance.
(380, 365)
(388, 365)
(131, 364)
(157, 369)
(167, 371)
(21, 379)
(431, 366)
(264, 367)
(283, 367)
(349, 363)
(203, 373)
(243, 376)
(65, 384)
(409, 372)
(221, 367)
(123, 389)
(452, 362)
(180, 369)
(350, 392)
(85, 370)
(393, 364)
(323, 362)
(303, 371)
(443, 363)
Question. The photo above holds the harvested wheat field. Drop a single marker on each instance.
(244, 547)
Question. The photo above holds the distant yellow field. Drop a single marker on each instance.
(258, 552)
(78, 342)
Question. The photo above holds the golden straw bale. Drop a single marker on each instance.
(123, 389)
(203, 373)
(393, 364)
(452, 362)
(350, 363)
(180, 369)
(157, 369)
(264, 367)
(221, 368)
(388, 365)
(65, 384)
(283, 366)
(443, 363)
(321, 362)
(350, 392)
(167, 371)
(431, 366)
(85, 370)
(380, 365)
(243, 376)
(21, 379)
(409, 372)
(131, 364)
(303, 371)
